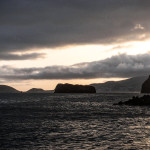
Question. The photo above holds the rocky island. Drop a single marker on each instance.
(69, 88)
(137, 101)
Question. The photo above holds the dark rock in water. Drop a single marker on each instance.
(8, 89)
(146, 86)
(69, 88)
(137, 101)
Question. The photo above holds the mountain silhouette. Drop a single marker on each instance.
(7, 89)
(38, 90)
(129, 85)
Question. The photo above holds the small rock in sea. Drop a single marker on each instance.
(136, 101)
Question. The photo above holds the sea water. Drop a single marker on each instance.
(72, 121)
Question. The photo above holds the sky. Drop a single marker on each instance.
(43, 43)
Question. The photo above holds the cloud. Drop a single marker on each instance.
(8, 56)
(116, 66)
(28, 24)
(118, 47)
(138, 27)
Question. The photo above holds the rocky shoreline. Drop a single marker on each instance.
(136, 101)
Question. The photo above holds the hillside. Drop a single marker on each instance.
(38, 90)
(7, 89)
(129, 85)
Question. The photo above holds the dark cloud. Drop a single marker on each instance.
(115, 66)
(26, 24)
(8, 56)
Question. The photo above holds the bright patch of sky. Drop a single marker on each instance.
(84, 53)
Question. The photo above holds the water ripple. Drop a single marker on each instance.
(74, 121)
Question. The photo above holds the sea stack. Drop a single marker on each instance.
(69, 88)
(146, 86)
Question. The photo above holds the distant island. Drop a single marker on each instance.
(39, 90)
(69, 88)
(8, 89)
(124, 86)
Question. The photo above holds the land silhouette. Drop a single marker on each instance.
(39, 90)
(124, 86)
(136, 101)
(8, 89)
(146, 86)
(69, 88)
(139, 101)
(132, 84)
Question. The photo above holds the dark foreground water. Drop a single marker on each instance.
(72, 121)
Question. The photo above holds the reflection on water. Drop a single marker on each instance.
(78, 121)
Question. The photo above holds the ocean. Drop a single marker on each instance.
(72, 122)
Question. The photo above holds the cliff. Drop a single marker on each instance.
(69, 88)
(146, 86)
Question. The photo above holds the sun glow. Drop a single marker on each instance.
(138, 48)
(84, 53)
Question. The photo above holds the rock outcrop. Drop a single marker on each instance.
(69, 88)
(146, 86)
(137, 101)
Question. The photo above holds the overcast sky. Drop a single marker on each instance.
(72, 40)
